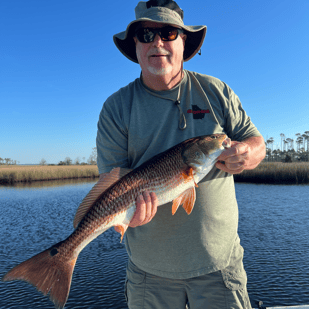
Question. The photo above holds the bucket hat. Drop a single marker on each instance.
(163, 12)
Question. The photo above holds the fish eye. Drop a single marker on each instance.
(214, 136)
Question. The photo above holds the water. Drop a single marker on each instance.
(273, 229)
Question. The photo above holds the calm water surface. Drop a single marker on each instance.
(273, 227)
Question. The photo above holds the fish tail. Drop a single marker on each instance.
(48, 272)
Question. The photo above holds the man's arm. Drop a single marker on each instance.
(245, 155)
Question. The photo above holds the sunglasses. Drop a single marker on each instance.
(147, 35)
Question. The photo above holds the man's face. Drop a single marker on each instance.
(160, 57)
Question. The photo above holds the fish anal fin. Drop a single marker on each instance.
(121, 228)
(103, 184)
(48, 272)
(186, 199)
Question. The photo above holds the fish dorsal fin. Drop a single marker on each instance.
(109, 179)
(186, 199)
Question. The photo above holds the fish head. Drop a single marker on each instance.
(201, 153)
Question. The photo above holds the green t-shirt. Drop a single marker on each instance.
(134, 125)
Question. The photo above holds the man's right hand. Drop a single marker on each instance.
(146, 208)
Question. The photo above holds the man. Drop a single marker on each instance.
(180, 259)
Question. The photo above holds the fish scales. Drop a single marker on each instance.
(162, 175)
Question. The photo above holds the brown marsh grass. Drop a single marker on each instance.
(10, 174)
(266, 172)
(276, 173)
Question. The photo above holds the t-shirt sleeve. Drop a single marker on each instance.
(112, 138)
(238, 124)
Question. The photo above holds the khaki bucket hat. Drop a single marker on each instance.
(164, 12)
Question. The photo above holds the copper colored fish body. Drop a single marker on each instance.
(172, 175)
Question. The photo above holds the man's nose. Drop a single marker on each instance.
(157, 40)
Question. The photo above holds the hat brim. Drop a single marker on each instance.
(194, 41)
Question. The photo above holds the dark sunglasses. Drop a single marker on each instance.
(147, 35)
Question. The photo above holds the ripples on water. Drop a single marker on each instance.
(273, 229)
(33, 220)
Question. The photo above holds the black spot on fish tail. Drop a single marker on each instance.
(53, 251)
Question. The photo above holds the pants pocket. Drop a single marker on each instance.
(234, 275)
(134, 287)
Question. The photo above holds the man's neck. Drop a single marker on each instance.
(162, 82)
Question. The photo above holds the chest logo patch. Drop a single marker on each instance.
(197, 112)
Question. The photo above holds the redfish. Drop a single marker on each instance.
(172, 175)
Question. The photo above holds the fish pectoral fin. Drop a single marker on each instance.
(121, 228)
(192, 175)
(189, 176)
(176, 202)
(113, 176)
(189, 200)
(186, 199)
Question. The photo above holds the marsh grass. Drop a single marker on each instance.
(266, 172)
(276, 173)
(16, 173)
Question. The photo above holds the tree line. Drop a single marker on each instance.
(92, 160)
(292, 149)
(7, 161)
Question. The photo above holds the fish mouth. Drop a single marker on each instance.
(227, 143)
(223, 139)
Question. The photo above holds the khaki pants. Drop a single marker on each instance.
(218, 290)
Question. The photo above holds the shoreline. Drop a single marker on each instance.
(296, 173)
(265, 173)
(14, 174)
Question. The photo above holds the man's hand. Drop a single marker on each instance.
(146, 208)
(234, 158)
(242, 155)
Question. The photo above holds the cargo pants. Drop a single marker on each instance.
(223, 289)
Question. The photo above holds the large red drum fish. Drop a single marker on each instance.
(172, 175)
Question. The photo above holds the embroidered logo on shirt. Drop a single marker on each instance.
(197, 112)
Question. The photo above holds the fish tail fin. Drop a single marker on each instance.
(48, 272)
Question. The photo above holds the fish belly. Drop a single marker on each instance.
(167, 192)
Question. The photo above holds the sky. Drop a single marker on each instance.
(58, 65)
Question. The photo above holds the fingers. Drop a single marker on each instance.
(234, 160)
(146, 208)
(236, 149)
(230, 168)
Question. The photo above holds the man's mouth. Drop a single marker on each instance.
(159, 53)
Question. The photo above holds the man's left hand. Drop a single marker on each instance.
(234, 159)
(241, 156)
